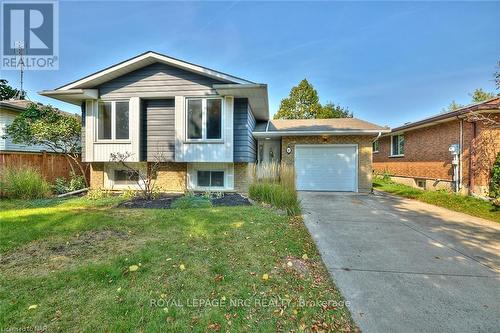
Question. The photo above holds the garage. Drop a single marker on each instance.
(327, 167)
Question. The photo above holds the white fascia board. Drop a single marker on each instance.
(317, 133)
(73, 96)
(146, 59)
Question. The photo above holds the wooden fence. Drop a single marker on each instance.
(50, 165)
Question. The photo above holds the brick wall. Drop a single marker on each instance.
(96, 175)
(427, 156)
(172, 177)
(364, 148)
(242, 176)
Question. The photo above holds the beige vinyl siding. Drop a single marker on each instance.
(6, 118)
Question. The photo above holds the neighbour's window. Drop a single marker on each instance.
(113, 121)
(375, 146)
(204, 118)
(397, 145)
(210, 178)
(126, 176)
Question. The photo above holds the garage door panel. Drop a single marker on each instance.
(326, 168)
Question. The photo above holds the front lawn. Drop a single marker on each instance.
(87, 266)
(459, 203)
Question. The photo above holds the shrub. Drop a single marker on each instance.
(76, 182)
(25, 183)
(192, 201)
(275, 185)
(495, 178)
(129, 194)
(61, 185)
(98, 194)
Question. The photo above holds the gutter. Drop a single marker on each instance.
(305, 133)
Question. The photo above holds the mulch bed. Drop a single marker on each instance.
(165, 201)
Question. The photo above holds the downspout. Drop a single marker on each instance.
(460, 161)
(471, 179)
(378, 136)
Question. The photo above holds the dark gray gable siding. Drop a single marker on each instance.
(157, 80)
(158, 130)
(245, 146)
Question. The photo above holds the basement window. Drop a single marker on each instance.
(210, 178)
(126, 176)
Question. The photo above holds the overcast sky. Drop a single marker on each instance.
(389, 62)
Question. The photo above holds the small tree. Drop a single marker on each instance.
(495, 179)
(146, 179)
(7, 92)
(44, 125)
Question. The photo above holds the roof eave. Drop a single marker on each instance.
(256, 94)
(73, 96)
(318, 133)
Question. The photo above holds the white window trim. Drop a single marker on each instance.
(210, 188)
(203, 120)
(113, 123)
(378, 150)
(392, 152)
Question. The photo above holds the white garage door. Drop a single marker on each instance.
(326, 167)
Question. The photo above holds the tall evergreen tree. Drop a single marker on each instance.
(303, 103)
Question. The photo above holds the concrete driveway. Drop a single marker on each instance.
(405, 266)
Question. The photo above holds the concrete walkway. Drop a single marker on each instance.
(406, 266)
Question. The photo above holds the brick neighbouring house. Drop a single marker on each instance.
(422, 157)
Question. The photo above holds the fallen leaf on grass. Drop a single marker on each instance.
(33, 307)
(305, 256)
(265, 277)
(133, 268)
(182, 267)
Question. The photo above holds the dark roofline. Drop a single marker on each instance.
(467, 109)
(5, 104)
(140, 55)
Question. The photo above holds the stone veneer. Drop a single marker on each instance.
(364, 153)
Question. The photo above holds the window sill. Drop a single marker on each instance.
(376, 152)
(396, 156)
(114, 141)
(204, 141)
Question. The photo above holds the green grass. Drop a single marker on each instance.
(459, 203)
(72, 259)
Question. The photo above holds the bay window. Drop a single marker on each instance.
(113, 121)
(204, 119)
